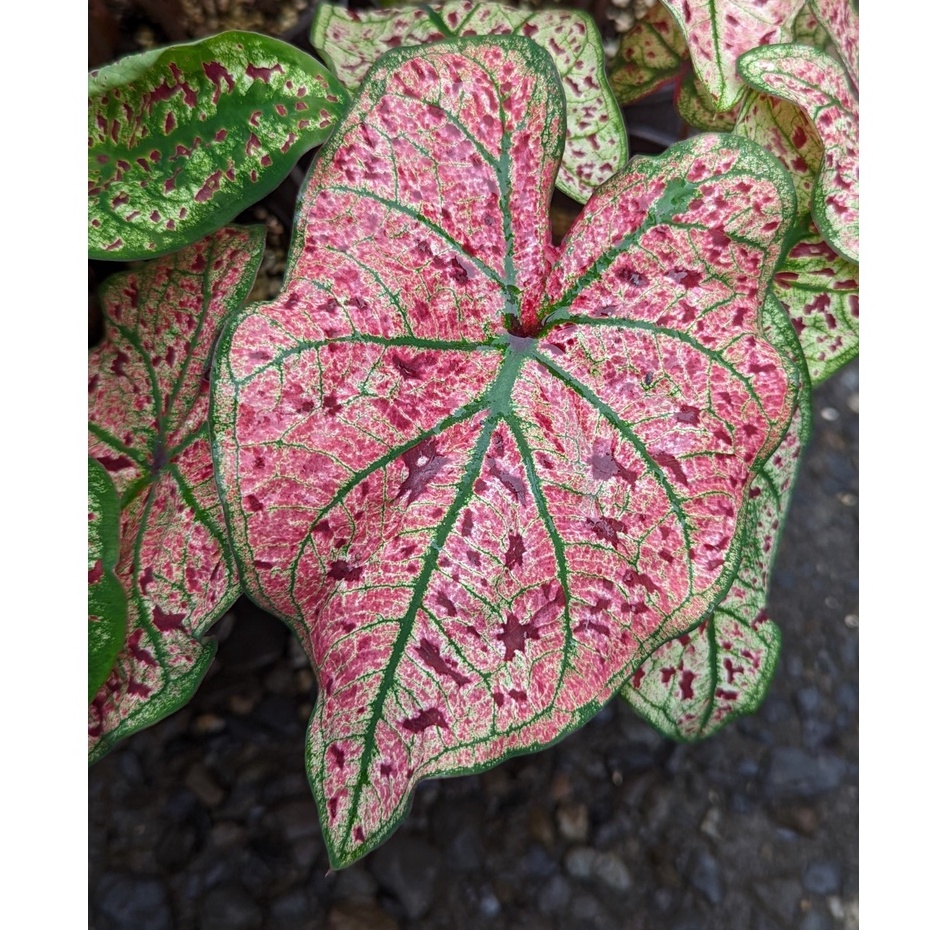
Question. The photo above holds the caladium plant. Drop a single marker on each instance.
(488, 482)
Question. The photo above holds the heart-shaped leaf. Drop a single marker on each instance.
(719, 31)
(692, 686)
(817, 84)
(649, 55)
(819, 289)
(480, 477)
(148, 403)
(840, 18)
(182, 139)
(106, 599)
(697, 109)
(595, 143)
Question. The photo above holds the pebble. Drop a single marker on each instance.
(358, 915)
(123, 901)
(705, 876)
(822, 876)
(794, 773)
(407, 867)
(573, 822)
(229, 907)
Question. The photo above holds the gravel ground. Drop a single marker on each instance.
(206, 822)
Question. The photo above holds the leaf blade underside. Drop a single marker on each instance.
(147, 407)
(428, 445)
(106, 598)
(182, 139)
(596, 144)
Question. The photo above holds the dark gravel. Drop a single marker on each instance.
(206, 821)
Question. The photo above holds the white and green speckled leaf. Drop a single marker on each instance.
(697, 683)
(106, 597)
(182, 139)
(652, 53)
(818, 85)
(148, 397)
(696, 107)
(719, 31)
(350, 41)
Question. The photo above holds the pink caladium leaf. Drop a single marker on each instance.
(840, 18)
(106, 597)
(697, 683)
(182, 139)
(719, 31)
(654, 52)
(148, 402)
(808, 31)
(817, 84)
(483, 478)
(819, 288)
(595, 142)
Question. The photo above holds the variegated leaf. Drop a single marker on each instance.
(481, 477)
(106, 598)
(182, 139)
(808, 31)
(817, 84)
(651, 54)
(696, 108)
(692, 686)
(595, 141)
(819, 289)
(840, 18)
(148, 386)
(719, 31)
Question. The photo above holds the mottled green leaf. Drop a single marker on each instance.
(650, 54)
(595, 139)
(106, 598)
(182, 139)
(697, 683)
(148, 400)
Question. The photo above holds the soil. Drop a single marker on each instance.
(206, 821)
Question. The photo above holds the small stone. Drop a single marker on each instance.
(355, 883)
(579, 862)
(794, 773)
(205, 724)
(408, 867)
(555, 894)
(710, 825)
(573, 821)
(358, 915)
(176, 846)
(705, 876)
(822, 877)
(781, 896)
(539, 824)
(814, 920)
(801, 818)
(208, 791)
(611, 871)
(229, 907)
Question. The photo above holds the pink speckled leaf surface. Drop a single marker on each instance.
(818, 85)
(181, 139)
(480, 477)
(719, 31)
(840, 18)
(697, 683)
(595, 142)
(819, 288)
(147, 410)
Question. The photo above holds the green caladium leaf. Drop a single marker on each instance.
(719, 31)
(696, 107)
(808, 31)
(654, 52)
(817, 84)
(106, 598)
(148, 402)
(182, 139)
(840, 19)
(819, 289)
(697, 683)
(483, 478)
(595, 143)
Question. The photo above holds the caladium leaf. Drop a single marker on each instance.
(719, 31)
(182, 139)
(652, 53)
(808, 31)
(697, 683)
(817, 84)
(819, 289)
(696, 107)
(481, 477)
(840, 18)
(595, 143)
(106, 598)
(148, 402)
